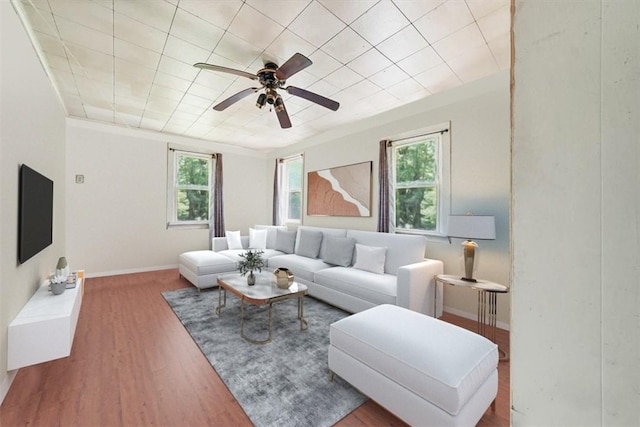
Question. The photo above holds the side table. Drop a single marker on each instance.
(487, 304)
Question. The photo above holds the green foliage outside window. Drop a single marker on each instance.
(193, 188)
(294, 189)
(416, 205)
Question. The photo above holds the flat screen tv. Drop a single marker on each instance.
(35, 217)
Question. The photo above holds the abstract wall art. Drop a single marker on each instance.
(340, 191)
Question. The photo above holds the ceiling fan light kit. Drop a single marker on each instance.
(272, 77)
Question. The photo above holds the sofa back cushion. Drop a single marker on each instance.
(285, 241)
(402, 249)
(309, 243)
(272, 231)
(340, 232)
(338, 250)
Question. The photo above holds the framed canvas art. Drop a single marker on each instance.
(340, 191)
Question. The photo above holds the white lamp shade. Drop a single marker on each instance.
(479, 227)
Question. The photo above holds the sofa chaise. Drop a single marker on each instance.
(350, 269)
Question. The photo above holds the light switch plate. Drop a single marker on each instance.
(79, 179)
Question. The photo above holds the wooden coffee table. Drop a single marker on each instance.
(264, 292)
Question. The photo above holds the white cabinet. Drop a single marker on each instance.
(43, 330)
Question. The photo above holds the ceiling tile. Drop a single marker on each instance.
(195, 30)
(501, 49)
(185, 52)
(343, 78)
(420, 61)
(281, 11)
(209, 93)
(444, 20)
(496, 24)
(237, 50)
(323, 64)
(416, 9)
(306, 25)
(380, 22)
(171, 82)
(287, 44)
(71, 32)
(84, 60)
(177, 68)
(219, 13)
(157, 13)
(73, 105)
(465, 39)
(161, 105)
(159, 91)
(58, 63)
(408, 90)
(362, 89)
(474, 64)
(481, 8)
(346, 46)
(254, 27)
(369, 63)
(196, 101)
(151, 123)
(66, 82)
(85, 13)
(389, 76)
(404, 43)
(321, 87)
(99, 114)
(348, 11)
(135, 53)
(381, 101)
(438, 78)
(51, 45)
(134, 32)
(41, 20)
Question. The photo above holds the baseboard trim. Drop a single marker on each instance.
(6, 384)
(474, 316)
(130, 271)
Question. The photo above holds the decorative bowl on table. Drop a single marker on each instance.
(282, 277)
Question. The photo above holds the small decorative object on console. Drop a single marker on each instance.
(57, 284)
(62, 268)
(282, 277)
(252, 260)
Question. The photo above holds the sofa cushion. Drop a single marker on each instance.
(285, 241)
(339, 250)
(234, 254)
(205, 262)
(340, 232)
(271, 233)
(300, 266)
(233, 239)
(370, 258)
(257, 239)
(309, 243)
(375, 288)
(402, 249)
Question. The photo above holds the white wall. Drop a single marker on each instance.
(116, 220)
(576, 204)
(480, 161)
(31, 132)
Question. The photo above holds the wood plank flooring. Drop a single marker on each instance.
(133, 364)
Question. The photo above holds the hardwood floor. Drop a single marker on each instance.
(133, 364)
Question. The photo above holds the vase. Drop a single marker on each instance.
(251, 279)
(283, 277)
(57, 287)
(62, 268)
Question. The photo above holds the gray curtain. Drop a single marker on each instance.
(216, 210)
(276, 216)
(383, 187)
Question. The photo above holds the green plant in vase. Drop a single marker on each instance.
(252, 260)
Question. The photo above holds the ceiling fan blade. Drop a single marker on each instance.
(283, 117)
(222, 69)
(235, 98)
(314, 97)
(297, 62)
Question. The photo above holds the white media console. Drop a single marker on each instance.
(43, 330)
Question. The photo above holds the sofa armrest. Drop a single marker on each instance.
(220, 243)
(417, 287)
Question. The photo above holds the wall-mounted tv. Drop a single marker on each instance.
(35, 217)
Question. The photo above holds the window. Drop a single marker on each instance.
(419, 180)
(189, 187)
(291, 189)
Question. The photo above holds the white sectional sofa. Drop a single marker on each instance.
(350, 269)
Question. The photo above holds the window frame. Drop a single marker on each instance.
(173, 154)
(285, 190)
(443, 177)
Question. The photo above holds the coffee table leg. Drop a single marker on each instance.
(246, 338)
(220, 301)
(303, 322)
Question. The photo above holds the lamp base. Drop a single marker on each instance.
(466, 279)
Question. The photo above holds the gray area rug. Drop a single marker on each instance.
(281, 383)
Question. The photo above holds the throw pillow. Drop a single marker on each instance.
(233, 239)
(309, 244)
(257, 239)
(339, 250)
(285, 241)
(370, 258)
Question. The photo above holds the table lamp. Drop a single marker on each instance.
(470, 227)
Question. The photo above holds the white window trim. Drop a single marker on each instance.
(444, 178)
(284, 191)
(172, 170)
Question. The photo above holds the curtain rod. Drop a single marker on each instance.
(391, 141)
(213, 155)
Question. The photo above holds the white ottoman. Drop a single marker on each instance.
(202, 267)
(425, 371)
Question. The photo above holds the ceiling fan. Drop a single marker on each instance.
(272, 77)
